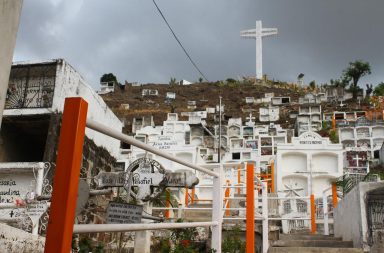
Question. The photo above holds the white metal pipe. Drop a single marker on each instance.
(91, 193)
(234, 208)
(127, 139)
(277, 198)
(325, 212)
(39, 182)
(264, 198)
(182, 208)
(20, 167)
(242, 218)
(99, 228)
(217, 215)
(100, 192)
(296, 218)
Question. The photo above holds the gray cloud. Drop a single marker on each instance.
(129, 38)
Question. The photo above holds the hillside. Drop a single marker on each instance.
(205, 95)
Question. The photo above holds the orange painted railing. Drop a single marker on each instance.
(226, 199)
(250, 210)
(186, 197)
(167, 203)
(313, 214)
(334, 195)
(66, 179)
(193, 195)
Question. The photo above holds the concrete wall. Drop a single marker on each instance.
(69, 83)
(347, 218)
(14, 240)
(10, 11)
(350, 216)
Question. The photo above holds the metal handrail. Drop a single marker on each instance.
(130, 140)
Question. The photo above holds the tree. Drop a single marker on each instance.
(172, 81)
(108, 78)
(354, 72)
(200, 79)
(379, 89)
(312, 85)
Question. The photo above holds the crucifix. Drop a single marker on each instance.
(357, 159)
(258, 34)
(250, 122)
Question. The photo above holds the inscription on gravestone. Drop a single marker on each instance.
(123, 213)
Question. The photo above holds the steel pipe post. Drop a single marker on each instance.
(325, 213)
(334, 195)
(313, 214)
(66, 180)
(250, 211)
(217, 204)
(264, 199)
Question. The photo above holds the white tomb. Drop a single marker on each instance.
(309, 163)
(270, 113)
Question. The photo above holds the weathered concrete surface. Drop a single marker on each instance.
(307, 243)
(10, 11)
(313, 250)
(13, 240)
(350, 215)
(307, 237)
(313, 243)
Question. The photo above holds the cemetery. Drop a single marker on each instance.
(158, 173)
(226, 166)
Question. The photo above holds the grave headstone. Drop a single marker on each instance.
(123, 213)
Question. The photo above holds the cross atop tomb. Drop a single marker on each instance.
(357, 159)
(258, 34)
(251, 118)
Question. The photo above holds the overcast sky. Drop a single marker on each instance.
(129, 38)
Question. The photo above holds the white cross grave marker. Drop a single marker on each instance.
(258, 34)
(357, 159)
(250, 122)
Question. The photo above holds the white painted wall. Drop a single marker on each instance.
(350, 218)
(14, 240)
(309, 153)
(69, 83)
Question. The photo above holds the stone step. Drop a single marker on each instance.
(313, 243)
(308, 237)
(313, 250)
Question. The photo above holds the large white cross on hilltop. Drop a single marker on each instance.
(258, 34)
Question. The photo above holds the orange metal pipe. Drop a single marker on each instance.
(313, 215)
(334, 122)
(250, 210)
(227, 193)
(334, 195)
(193, 196)
(167, 203)
(66, 179)
(186, 197)
(272, 176)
